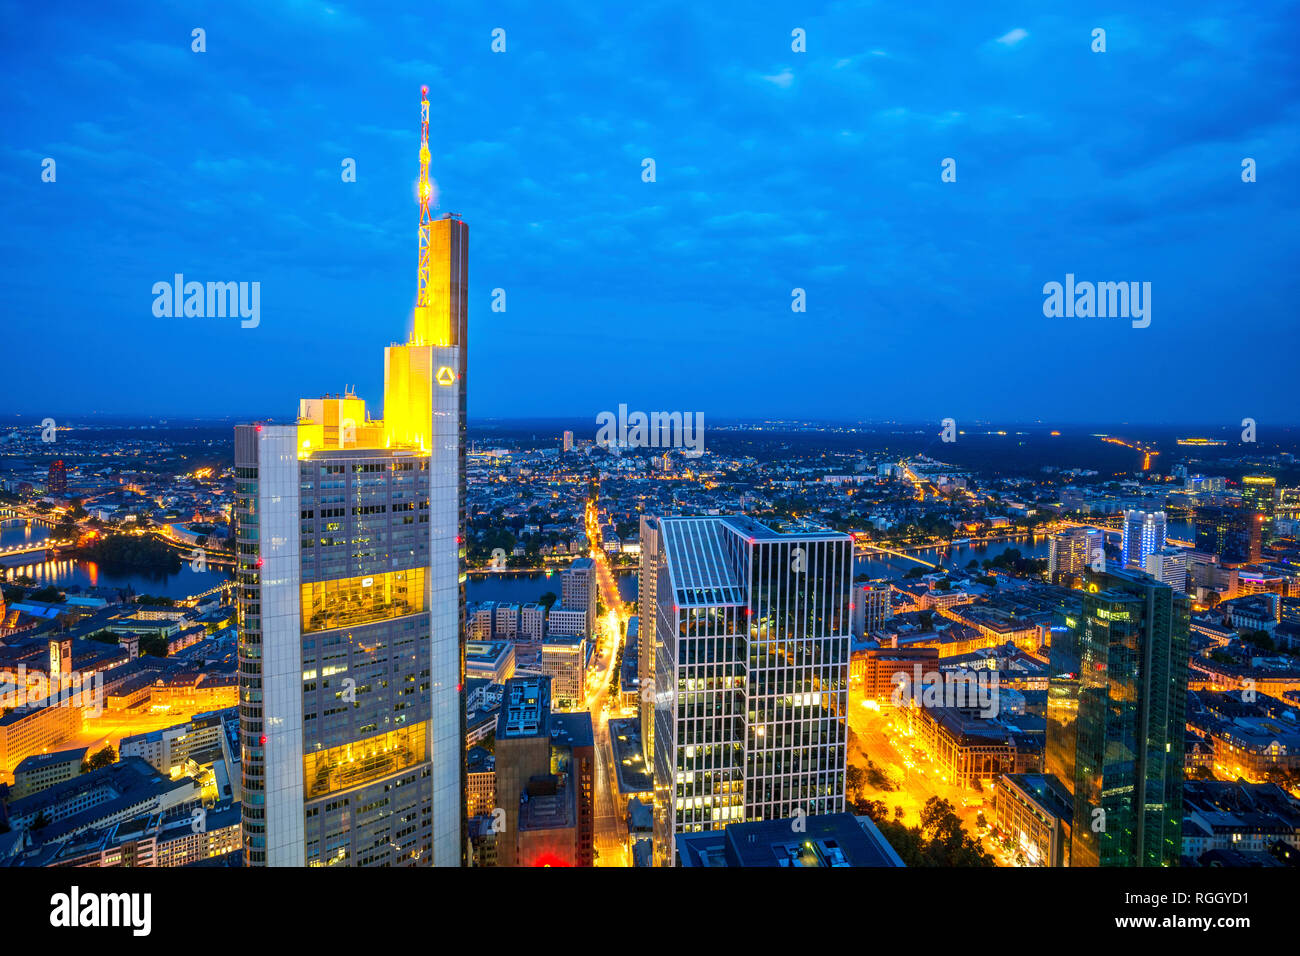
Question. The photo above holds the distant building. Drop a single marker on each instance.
(56, 483)
(1144, 533)
(870, 605)
(564, 660)
(1074, 550)
(1168, 566)
(168, 748)
(878, 670)
(1233, 533)
(578, 587)
(101, 798)
(1259, 494)
(828, 840)
(532, 622)
(480, 782)
(567, 621)
(494, 661)
(1233, 815)
(39, 771)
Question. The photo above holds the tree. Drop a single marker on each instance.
(103, 758)
(855, 780)
(548, 599)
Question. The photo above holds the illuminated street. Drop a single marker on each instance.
(610, 839)
(900, 758)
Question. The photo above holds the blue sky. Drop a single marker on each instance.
(775, 170)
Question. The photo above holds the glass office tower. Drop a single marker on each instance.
(1120, 669)
(1233, 532)
(751, 674)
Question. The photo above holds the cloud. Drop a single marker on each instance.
(1013, 37)
(784, 79)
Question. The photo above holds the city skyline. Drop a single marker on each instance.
(990, 558)
(775, 170)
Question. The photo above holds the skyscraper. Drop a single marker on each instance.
(751, 674)
(1144, 533)
(646, 617)
(1259, 494)
(56, 483)
(870, 606)
(578, 591)
(1074, 550)
(1233, 532)
(1116, 721)
(1169, 566)
(351, 600)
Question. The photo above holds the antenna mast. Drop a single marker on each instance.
(426, 194)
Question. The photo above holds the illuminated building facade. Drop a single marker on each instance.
(578, 591)
(1116, 726)
(1234, 533)
(1168, 566)
(751, 674)
(1144, 533)
(1259, 494)
(351, 601)
(871, 607)
(56, 483)
(1074, 550)
(1035, 811)
(646, 632)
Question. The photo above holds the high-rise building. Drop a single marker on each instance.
(564, 661)
(645, 604)
(56, 482)
(871, 608)
(1144, 533)
(568, 441)
(1074, 550)
(1169, 566)
(751, 674)
(1259, 494)
(1116, 720)
(351, 600)
(578, 590)
(1233, 532)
